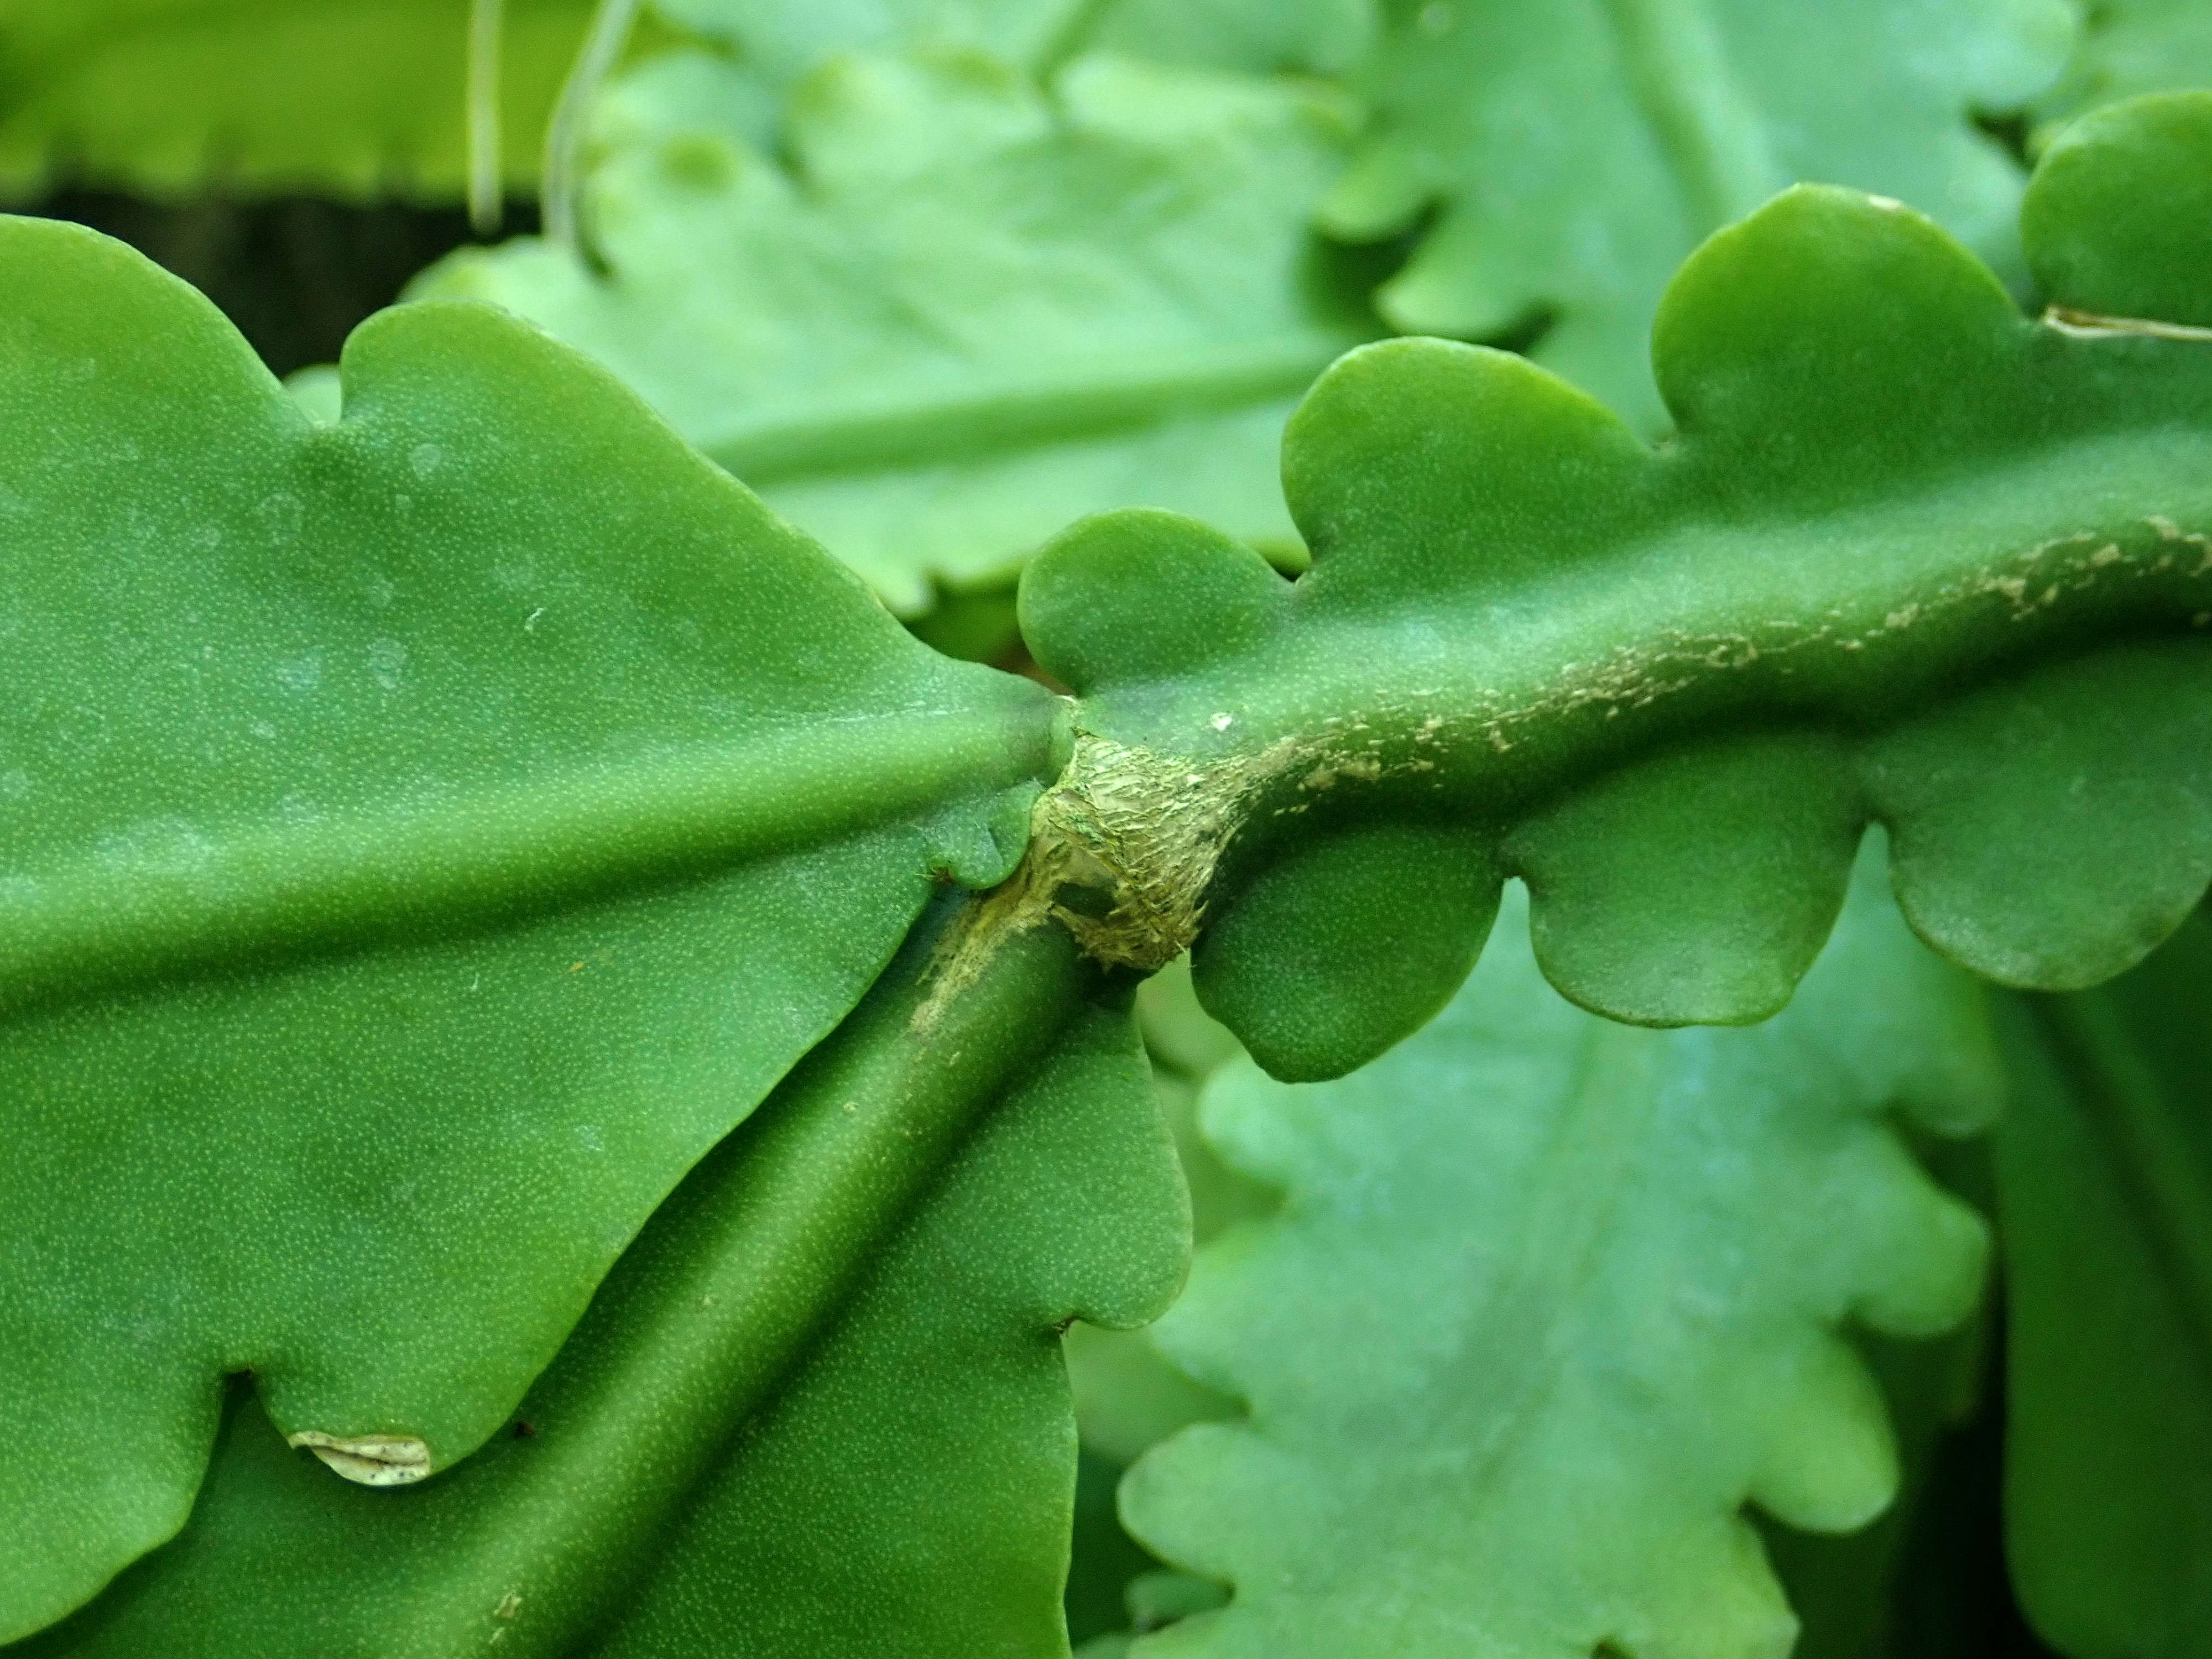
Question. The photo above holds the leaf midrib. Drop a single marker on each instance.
(1092, 398)
(267, 891)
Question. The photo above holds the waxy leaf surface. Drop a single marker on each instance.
(1574, 151)
(1913, 557)
(1548, 1299)
(346, 98)
(966, 313)
(2104, 1166)
(818, 1409)
(424, 837)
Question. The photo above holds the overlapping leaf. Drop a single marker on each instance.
(2128, 47)
(818, 1409)
(1912, 557)
(967, 314)
(359, 98)
(1548, 1299)
(425, 836)
(1575, 151)
(2105, 1179)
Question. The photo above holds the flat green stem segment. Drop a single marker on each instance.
(1912, 557)
(749, 1269)
(425, 835)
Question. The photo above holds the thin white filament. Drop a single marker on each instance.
(485, 206)
(564, 137)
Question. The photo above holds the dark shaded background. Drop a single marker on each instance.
(295, 273)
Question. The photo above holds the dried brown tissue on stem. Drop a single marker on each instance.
(1143, 830)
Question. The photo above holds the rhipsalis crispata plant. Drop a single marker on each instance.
(1540, 671)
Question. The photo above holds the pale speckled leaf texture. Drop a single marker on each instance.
(426, 836)
(1549, 1299)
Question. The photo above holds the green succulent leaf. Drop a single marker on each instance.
(1686, 114)
(426, 836)
(2128, 47)
(347, 98)
(2105, 1168)
(966, 312)
(1912, 557)
(818, 1407)
(1549, 1298)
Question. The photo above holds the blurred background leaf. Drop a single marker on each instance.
(1548, 1298)
(358, 101)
